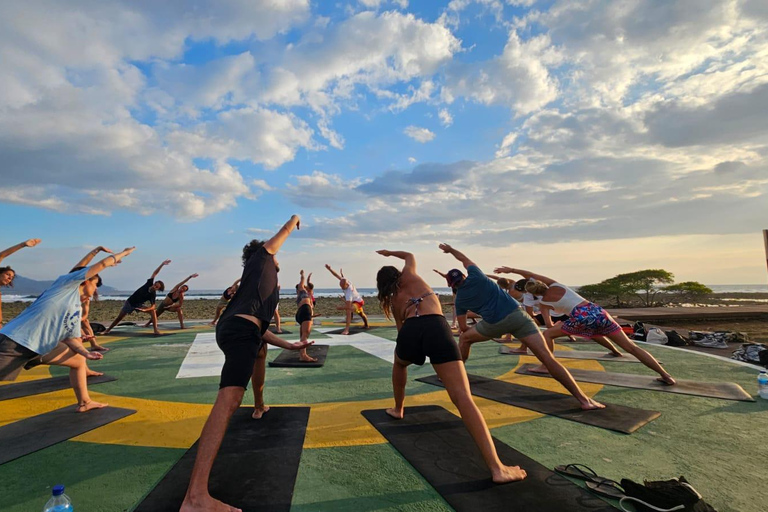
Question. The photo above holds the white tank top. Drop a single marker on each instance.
(565, 305)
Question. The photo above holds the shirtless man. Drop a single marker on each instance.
(145, 294)
(224, 301)
(353, 301)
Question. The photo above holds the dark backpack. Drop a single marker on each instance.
(640, 332)
(98, 328)
(675, 339)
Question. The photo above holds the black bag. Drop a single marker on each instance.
(640, 331)
(675, 494)
(675, 339)
(98, 328)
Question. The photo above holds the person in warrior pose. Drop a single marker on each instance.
(353, 301)
(224, 300)
(502, 314)
(145, 294)
(240, 334)
(422, 331)
(174, 301)
(7, 274)
(585, 318)
(304, 314)
(48, 331)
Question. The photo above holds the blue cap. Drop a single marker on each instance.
(454, 276)
(58, 490)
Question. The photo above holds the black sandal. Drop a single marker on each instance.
(579, 471)
(607, 488)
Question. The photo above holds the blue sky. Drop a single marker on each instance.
(579, 138)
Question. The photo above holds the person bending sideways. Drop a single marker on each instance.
(241, 334)
(585, 318)
(174, 301)
(502, 314)
(304, 315)
(48, 331)
(423, 331)
(85, 300)
(143, 300)
(7, 274)
(353, 301)
(224, 301)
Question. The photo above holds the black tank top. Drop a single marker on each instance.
(258, 293)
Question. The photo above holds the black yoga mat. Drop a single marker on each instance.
(614, 417)
(32, 434)
(355, 329)
(36, 387)
(290, 358)
(436, 443)
(255, 469)
(722, 390)
(581, 354)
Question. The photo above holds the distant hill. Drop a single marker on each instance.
(25, 286)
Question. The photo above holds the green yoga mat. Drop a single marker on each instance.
(722, 390)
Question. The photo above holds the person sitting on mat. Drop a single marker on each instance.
(7, 274)
(241, 334)
(85, 300)
(304, 313)
(146, 294)
(353, 301)
(48, 331)
(224, 300)
(502, 314)
(585, 318)
(423, 331)
(174, 301)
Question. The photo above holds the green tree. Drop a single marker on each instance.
(687, 291)
(635, 288)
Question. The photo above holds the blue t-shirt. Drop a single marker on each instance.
(53, 317)
(480, 294)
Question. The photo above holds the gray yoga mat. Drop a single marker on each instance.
(722, 390)
(581, 354)
(290, 358)
(32, 434)
(37, 387)
(618, 418)
(436, 443)
(355, 329)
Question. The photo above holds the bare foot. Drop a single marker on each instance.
(397, 414)
(205, 504)
(279, 332)
(539, 369)
(668, 380)
(508, 474)
(91, 373)
(212, 323)
(518, 351)
(345, 333)
(87, 406)
(306, 358)
(258, 412)
(99, 348)
(591, 405)
(615, 354)
(158, 333)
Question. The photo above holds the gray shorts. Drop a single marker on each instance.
(518, 323)
(127, 308)
(14, 357)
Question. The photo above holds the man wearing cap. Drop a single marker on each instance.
(501, 314)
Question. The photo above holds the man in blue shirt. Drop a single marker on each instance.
(502, 314)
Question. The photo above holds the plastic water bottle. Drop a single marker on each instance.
(59, 501)
(762, 384)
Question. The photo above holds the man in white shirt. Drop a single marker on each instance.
(353, 301)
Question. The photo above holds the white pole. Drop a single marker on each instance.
(765, 239)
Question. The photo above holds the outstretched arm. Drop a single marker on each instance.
(309, 279)
(276, 242)
(492, 276)
(410, 259)
(525, 273)
(175, 288)
(109, 261)
(92, 254)
(302, 281)
(29, 243)
(444, 276)
(337, 276)
(158, 269)
(274, 339)
(456, 254)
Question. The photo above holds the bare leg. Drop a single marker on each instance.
(277, 322)
(153, 315)
(348, 318)
(305, 329)
(219, 309)
(198, 498)
(644, 356)
(549, 338)
(257, 382)
(454, 377)
(180, 314)
(117, 321)
(62, 355)
(603, 341)
(399, 378)
(364, 317)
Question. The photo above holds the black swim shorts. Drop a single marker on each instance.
(427, 336)
(240, 340)
(304, 314)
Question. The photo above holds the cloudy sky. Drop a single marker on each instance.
(578, 138)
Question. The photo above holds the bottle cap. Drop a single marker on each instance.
(58, 490)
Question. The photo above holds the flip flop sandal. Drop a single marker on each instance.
(607, 488)
(629, 499)
(579, 471)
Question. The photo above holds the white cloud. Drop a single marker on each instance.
(446, 119)
(419, 134)
(412, 160)
(323, 190)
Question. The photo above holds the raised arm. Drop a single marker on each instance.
(276, 242)
(173, 290)
(92, 254)
(456, 254)
(158, 269)
(302, 281)
(410, 259)
(525, 273)
(29, 243)
(109, 261)
(309, 279)
(235, 283)
(492, 276)
(444, 276)
(337, 276)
